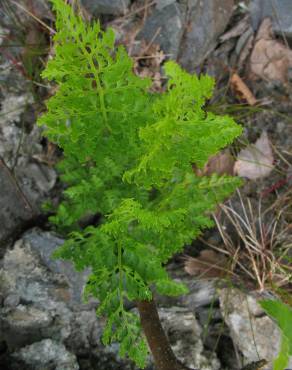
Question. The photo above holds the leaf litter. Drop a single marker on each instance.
(256, 160)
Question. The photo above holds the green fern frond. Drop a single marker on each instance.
(128, 156)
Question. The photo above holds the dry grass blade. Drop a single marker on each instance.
(262, 246)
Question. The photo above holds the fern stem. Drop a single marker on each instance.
(99, 88)
(163, 355)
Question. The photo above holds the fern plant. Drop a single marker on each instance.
(128, 156)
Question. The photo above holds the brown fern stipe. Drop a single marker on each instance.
(163, 355)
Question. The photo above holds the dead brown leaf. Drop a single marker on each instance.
(270, 59)
(256, 160)
(222, 164)
(242, 90)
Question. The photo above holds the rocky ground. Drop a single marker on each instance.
(246, 46)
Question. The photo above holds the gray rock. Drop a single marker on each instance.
(12, 107)
(206, 20)
(115, 7)
(216, 62)
(31, 259)
(24, 190)
(47, 354)
(253, 332)
(24, 325)
(44, 244)
(46, 298)
(19, 149)
(25, 182)
(202, 293)
(160, 4)
(12, 12)
(165, 27)
(50, 308)
(184, 333)
(279, 11)
(15, 209)
(36, 179)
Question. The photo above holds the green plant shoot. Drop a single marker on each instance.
(282, 314)
(128, 157)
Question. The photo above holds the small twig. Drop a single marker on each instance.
(27, 204)
(139, 10)
(144, 51)
(52, 31)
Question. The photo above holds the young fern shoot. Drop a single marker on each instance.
(128, 156)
